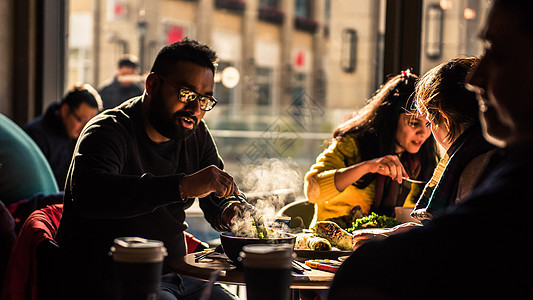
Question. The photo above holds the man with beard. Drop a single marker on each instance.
(137, 167)
(482, 248)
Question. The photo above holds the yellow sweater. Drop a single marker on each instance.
(320, 182)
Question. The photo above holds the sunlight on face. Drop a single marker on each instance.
(413, 130)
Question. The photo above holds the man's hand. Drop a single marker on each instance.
(206, 181)
(233, 211)
(237, 210)
(361, 236)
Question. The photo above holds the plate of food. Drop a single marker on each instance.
(329, 254)
(325, 240)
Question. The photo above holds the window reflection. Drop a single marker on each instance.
(284, 57)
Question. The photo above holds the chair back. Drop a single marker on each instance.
(25, 170)
(301, 212)
(33, 257)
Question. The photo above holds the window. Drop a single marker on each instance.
(348, 47)
(450, 29)
(434, 22)
(345, 52)
(226, 82)
(303, 8)
(263, 85)
(269, 3)
(298, 88)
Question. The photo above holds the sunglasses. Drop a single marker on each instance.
(186, 95)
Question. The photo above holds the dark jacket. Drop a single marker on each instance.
(480, 249)
(50, 135)
(114, 93)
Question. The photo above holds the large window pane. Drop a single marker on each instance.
(450, 29)
(284, 80)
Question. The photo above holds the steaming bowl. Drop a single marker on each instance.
(233, 244)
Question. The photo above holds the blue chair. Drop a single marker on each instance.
(25, 170)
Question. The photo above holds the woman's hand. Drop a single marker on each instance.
(389, 165)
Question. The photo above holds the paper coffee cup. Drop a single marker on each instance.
(267, 270)
(138, 250)
(137, 269)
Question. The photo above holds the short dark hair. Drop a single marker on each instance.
(442, 92)
(129, 61)
(186, 50)
(82, 93)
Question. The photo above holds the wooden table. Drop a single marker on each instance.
(314, 279)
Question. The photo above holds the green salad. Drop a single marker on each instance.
(373, 221)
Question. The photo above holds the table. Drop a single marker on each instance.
(314, 279)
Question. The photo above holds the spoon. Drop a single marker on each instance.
(414, 181)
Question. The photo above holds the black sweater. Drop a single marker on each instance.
(50, 135)
(121, 184)
(478, 249)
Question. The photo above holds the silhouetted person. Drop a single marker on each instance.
(124, 85)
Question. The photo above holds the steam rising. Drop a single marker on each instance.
(268, 187)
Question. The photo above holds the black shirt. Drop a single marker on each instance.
(120, 184)
(114, 93)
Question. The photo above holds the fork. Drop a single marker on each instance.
(414, 181)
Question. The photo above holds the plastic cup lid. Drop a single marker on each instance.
(138, 250)
(267, 256)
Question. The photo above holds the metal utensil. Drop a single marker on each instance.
(301, 265)
(413, 181)
(218, 249)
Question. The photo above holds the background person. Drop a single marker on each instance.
(124, 85)
(453, 113)
(482, 248)
(135, 170)
(56, 131)
(369, 155)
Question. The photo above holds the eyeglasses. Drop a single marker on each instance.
(186, 95)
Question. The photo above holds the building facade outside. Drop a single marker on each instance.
(289, 71)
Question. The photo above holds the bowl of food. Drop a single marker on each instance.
(233, 244)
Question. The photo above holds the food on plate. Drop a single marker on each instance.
(309, 241)
(337, 236)
(373, 221)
